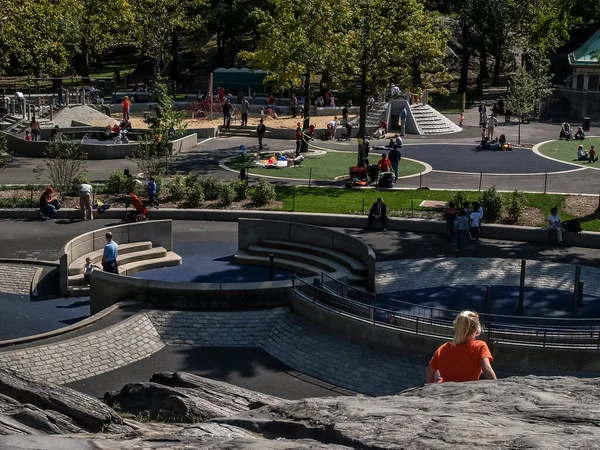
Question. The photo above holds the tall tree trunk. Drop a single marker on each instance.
(306, 122)
(362, 123)
(484, 73)
(497, 67)
(464, 62)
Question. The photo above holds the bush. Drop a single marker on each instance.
(16, 202)
(177, 188)
(191, 179)
(195, 195)
(227, 194)
(64, 162)
(263, 193)
(492, 204)
(82, 178)
(118, 183)
(240, 188)
(516, 205)
(459, 198)
(211, 186)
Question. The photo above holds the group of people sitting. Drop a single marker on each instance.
(278, 160)
(590, 155)
(495, 144)
(566, 133)
(119, 130)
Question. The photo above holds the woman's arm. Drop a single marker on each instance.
(488, 372)
(429, 374)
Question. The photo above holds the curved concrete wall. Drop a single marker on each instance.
(254, 231)
(505, 355)
(159, 232)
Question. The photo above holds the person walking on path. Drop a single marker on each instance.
(110, 255)
(555, 225)
(298, 140)
(152, 191)
(85, 201)
(462, 229)
(463, 359)
(260, 132)
(126, 105)
(403, 115)
(227, 108)
(244, 108)
(378, 212)
(345, 115)
(395, 156)
(34, 125)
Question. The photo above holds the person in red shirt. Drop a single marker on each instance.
(126, 104)
(463, 359)
(384, 164)
(298, 139)
(592, 156)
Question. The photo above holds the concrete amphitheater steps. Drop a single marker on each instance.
(348, 261)
(430, 121)
(238, 130)
(136, 262)
(296, 264)
(76, 266)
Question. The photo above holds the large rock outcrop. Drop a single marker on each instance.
(515, 413)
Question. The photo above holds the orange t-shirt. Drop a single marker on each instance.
(460, 362)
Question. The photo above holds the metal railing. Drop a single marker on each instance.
(533, 335)
(346, 291)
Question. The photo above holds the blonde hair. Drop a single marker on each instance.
(466, 324)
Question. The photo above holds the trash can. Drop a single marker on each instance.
(586, 124)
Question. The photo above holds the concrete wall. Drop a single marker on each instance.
(505, 355)
(395, 108)
(159, 232)
(107, 289)
(184, 143)
(253, 231)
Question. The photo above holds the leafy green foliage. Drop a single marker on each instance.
(459, 198)
(5, 156)
(241, 189)
(516, 205)
(81, 178)
(492, 203)
(195, 195)
(65, 161)
(263, 193)
(177, 188)
(227, 194)
(521, 93)
(211, 187)
(119, 184)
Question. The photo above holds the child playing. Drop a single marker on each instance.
(462, 227)
(151, 191)
(461, 119)
(450, 216)
(88, 268)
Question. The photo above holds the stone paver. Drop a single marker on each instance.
(83, 357)
(16, 279)
(410, 274)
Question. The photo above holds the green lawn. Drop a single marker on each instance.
(567, 150)
(323, 167)
(350, 201)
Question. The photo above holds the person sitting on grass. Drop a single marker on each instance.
(592, 156)
(580, 135)
(465, 358)
(581, 154)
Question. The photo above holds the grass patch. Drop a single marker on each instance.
(567, 150)
(323, 167)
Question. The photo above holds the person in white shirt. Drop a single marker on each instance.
(474, 221)
(85, 201)
(88, 268)
(492, 122)
(555, 225)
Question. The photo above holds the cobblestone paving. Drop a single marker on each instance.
(413, 274)
(16, 279)
(89, 355)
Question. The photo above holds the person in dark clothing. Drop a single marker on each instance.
(378, 212)
(395, 156)
(450, 215)
(227, 109)
(260, 132)
(298, 139)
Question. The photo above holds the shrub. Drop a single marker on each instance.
(240, 188)
(177, 187)
(492, 204)
(64, 162)
(459, 198)
(195, 195)
(191, 179)
(211, 187)
(516, 205)
(119, 183)
(263, 193)
(16, 202)
(227, 194)
(79, 179)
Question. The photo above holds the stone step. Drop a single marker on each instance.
(133, 267)
(350, 262)
(76, 266)
(79, 291)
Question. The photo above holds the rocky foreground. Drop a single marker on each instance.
(515, 413)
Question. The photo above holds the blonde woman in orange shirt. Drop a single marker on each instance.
(463, 359)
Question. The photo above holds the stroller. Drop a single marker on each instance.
(346, 133)
(565, 132)
(139, 211)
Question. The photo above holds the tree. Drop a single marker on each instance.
(165, 125)
(65, 161)
(158, 21)
(295, 44)
(521, 93)
(5, 154)
(387, 42)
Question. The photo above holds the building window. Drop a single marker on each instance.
(594, 83)
(580, 81)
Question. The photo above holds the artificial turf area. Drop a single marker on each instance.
(324, 167)
(567, 150)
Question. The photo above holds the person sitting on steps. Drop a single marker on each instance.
(378, 212)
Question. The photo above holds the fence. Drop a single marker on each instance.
(541, 333)
(346, 291)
